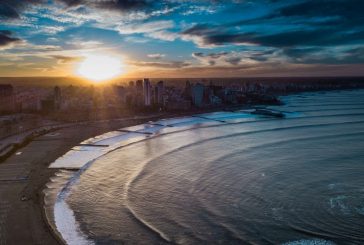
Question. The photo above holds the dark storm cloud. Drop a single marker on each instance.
(323, 37)
(346, 9)
(118, 5)
(322, 56)
(11, 9)
(8, 12)
(72, 2)
(124, 4)
(6, 38)
(341, 13)
(319, 23)
(317, 37)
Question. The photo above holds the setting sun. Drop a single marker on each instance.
(100, 67)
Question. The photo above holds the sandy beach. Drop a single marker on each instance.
(24, 175)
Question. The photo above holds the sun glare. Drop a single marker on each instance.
(100, 67)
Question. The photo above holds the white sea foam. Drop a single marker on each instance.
(65, 219)
(310, 242)
(79, 157)
(64, 216)
(95, 147)
(341, 203)
(67, 225)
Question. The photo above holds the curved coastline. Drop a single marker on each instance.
(76, 234)
(140, 136)
(60, 197)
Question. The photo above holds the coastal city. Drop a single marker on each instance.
(69, 125)
(29, 109)
(139, 95)
(181, 122)
(157, 96)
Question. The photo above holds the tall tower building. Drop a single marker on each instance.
(139, 86)
(188, 90)
(139, 93)
(160, 92)
(197, 94)
(57, 98)
(147, 92)
(7, 98)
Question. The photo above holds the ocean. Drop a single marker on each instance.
(234, 180)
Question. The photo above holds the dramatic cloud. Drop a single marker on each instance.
(205, 36)
(11, 9)
(225, 58)
(8, 11)
(315, 23)
(324, 55)
(233, 60)
(344, 10)
(7, 40)
(119, 5)
(222, 35)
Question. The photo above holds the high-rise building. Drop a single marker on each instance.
(147, 92)
(57, 98)
(187, 91)
(120, 92)
(155, 95)
(139, 100)
(159, 92)
(197, 94)
(139, 86)
(7, 98)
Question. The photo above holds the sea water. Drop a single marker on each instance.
(235, 180)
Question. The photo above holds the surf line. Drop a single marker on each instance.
(134, 214)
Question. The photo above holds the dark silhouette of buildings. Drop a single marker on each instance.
(147, 92)
(144, 95)
(7, 98)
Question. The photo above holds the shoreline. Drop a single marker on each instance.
(27, 194)
(40, 174)
(67, 163)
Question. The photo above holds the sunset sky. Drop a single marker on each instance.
(184, 38)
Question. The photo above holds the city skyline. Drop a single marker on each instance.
(173, 38)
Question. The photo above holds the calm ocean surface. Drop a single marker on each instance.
(298, 180)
